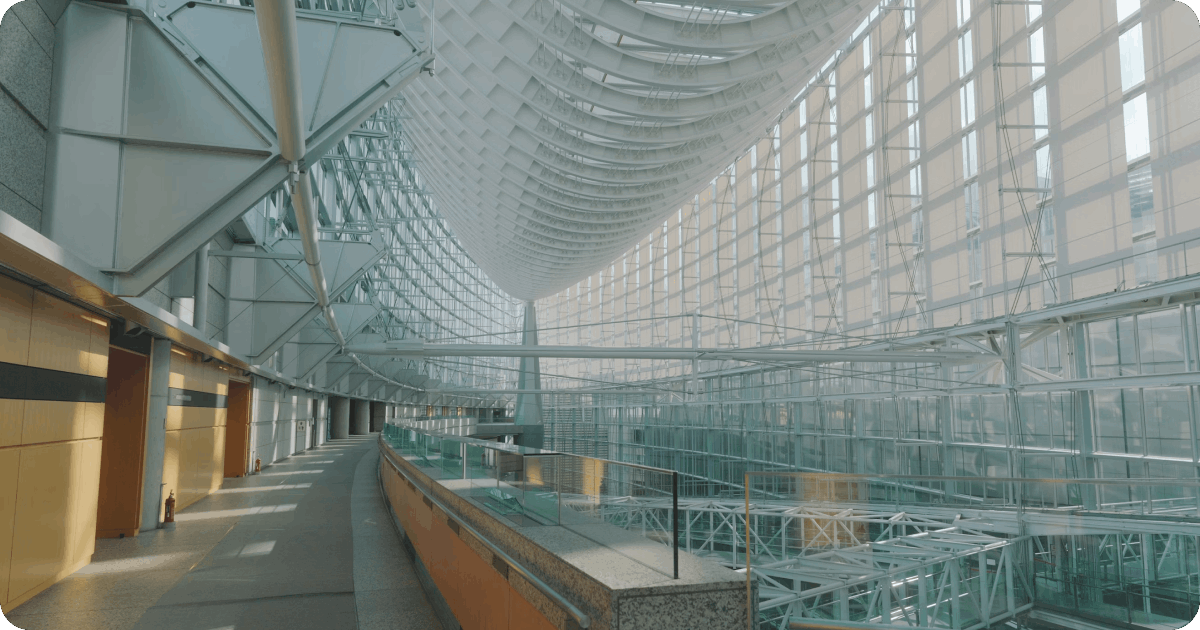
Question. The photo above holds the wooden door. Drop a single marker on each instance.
(122, 454)
(237, 430)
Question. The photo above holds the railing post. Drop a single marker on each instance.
(675, 518)
(751, 609)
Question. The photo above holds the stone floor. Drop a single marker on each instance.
(308, 543)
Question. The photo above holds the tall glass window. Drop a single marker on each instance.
(1133, 64)
(1137, 128)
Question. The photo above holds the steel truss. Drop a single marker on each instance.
(921, 565)
(420, 284)
(847, 563)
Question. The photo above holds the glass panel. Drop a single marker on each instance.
(1049, 288)
(1141, 201)
(1046, 235)
(966, 100)
(970, 156)
(1041, 118)
(1034, 12)
(1160, 342)
(1042, 159)
(975, 257)
(971, 198)
(913, 97)
(966, 55)
(1137, 128)
(1126, 8)
(1037, 54)
(1133, 64)
(1168, 422)
(1145, 260)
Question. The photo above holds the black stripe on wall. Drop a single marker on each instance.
(22, 382)
(189, 398)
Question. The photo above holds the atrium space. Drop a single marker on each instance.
(607, 314)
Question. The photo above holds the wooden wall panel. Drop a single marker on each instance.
(10, 459)
(477, 594)
(41, 523)
(16, 310)
(50, 450)
(58, 421)
(83, 502)
(60, 338)
(12, 416)
(170, 475)
(195, 443)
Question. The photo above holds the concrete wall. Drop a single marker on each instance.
(379, 416)
(49, 449)
(360, 416)
(321, 422)
(26, 70)
(339, 417)
(280, 421)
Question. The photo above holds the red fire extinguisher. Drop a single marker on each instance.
(169, 516)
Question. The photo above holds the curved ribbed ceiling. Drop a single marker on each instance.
(558, 133)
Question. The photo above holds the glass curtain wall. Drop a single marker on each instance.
(1000, 177)
(951, 165)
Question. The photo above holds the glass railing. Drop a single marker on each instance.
(851, 551)
(530, 487)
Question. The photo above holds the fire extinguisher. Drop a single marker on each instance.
(257, 465)
(169, 515)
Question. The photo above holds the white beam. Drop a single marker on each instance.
(417, 348)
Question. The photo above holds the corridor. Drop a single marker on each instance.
(307, 543)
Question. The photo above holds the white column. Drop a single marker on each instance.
(156, 434)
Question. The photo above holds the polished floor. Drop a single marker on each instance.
(308, 543)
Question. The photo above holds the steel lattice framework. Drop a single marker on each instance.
(906, 565)
(846, 563)
(558, 132)
(425, 283)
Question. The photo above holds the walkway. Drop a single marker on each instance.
(308, 543)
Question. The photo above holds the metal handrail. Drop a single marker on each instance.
(828, 476)
(581, 617)
(493, 445)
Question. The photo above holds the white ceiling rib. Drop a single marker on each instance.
(558, 133)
